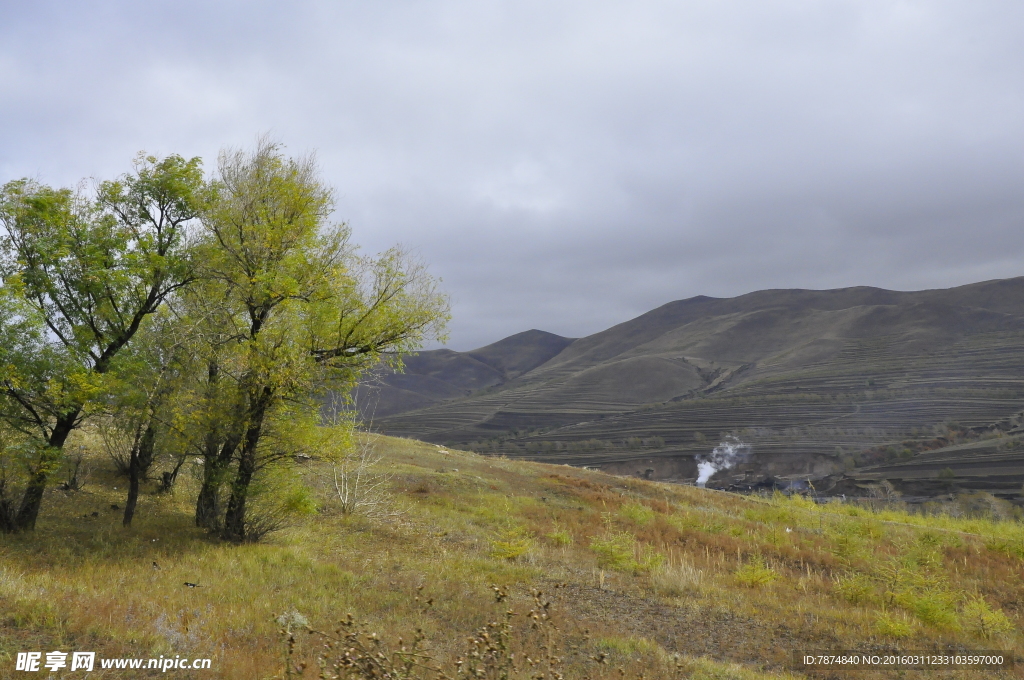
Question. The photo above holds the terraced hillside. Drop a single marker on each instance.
(992, 464)
(809, 378)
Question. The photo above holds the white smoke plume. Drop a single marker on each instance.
(722, 457)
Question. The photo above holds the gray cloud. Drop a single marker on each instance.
(567, 166)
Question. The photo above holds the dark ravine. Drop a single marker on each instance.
(813, 380)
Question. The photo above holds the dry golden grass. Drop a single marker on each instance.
(718, 585)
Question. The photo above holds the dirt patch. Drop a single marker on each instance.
(694, 628)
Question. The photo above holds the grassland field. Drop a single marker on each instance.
(654, 580)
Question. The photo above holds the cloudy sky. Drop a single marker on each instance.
(569, 165)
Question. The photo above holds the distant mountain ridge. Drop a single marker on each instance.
(435, 376)
(782, 366)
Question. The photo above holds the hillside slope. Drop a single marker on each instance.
(661, 581)
(807, 377)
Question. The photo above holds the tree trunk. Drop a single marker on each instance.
(32, 499)
(7, 512)
(138, 466)
(168, 479)
(208, 501)
(215, 468)
(234, 518)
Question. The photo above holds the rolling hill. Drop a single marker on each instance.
(441, 375)
(809, 378)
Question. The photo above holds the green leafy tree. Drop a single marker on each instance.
(304, 312)
(82, 274)
(202, 413)
(143, 385)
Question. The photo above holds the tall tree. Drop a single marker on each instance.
(303, 309)
(204, 416)
(89, 270)
(145, 380)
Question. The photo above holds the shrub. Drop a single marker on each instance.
(893, 625)
(560, 536)
(983, 621)
(713, 527)
(354, 479)
(856, 589)
(614, 552)
(932, 607)
(640, 514)
(647, 560)
(619, 552)
(511, 545)
(755, 574)
(1010, 548)
(278, 500)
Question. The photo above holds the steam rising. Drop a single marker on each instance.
(722, 457)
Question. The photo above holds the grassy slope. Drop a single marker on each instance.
(649, 569)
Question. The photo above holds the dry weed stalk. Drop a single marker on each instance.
(497, 651)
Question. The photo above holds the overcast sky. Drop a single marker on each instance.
(569, 165)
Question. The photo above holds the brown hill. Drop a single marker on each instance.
(810, 378)
(440, 375)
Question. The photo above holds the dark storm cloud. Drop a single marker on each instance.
(566, 166)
